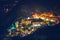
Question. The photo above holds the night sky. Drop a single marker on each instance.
(10, 10)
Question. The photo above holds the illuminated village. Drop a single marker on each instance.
(30, 24)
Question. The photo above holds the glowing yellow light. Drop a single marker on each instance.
(51, 15)
(52, 20)
(29, 32)
(47, 19)
(42, 18)
(28, 18)
(33, 29)
(17, 24)
(35, 16)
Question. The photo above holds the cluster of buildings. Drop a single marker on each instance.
(30, 24)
